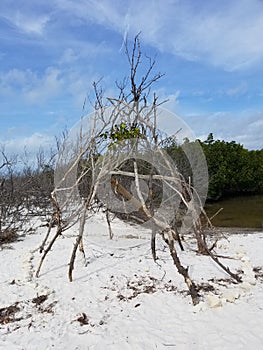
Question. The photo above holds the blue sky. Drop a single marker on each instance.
(51, 51)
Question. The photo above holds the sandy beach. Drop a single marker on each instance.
(121, 299)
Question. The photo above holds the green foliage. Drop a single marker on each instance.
(122, 132)
(232, 168)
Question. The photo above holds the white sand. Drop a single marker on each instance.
(129, 301)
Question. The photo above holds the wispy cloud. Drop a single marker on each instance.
(222, 33)
(225, 34)
(30, 24)
(100, 12)
(237, 90)
(28, 19)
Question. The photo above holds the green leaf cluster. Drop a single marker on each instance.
(122, 132)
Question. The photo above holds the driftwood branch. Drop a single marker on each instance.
(77, 243)
(57, 234)
(99, 155)
(142, 207)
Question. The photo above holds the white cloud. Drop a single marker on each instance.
(172, 99)
(46, 87)
(28, 144)
(35, 88)
(226, 34)
(24, 85)
(26, 19)
(101, 12)
(30, 24)
(30, 86)
(222, 33)
(13, 79)
(245, 128)
(68, 56)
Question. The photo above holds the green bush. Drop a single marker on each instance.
(232, 168)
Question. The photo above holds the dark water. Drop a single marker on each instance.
(242, 211)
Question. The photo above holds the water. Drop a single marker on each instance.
(242, 211)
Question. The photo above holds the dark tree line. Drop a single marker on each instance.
(232, 168)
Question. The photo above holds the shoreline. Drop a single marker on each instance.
(234, 230)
